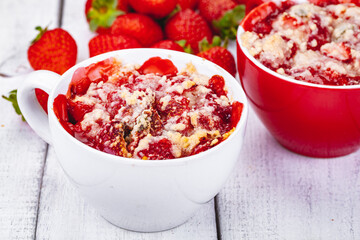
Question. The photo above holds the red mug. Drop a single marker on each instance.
(309, 119)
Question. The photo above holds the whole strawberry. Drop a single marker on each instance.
(184, 4)
(141, 27)
(190, 26)
(154, 8)
(105, 43)
(224, 15)
(169, 44)
(102, 13)
(218, 55)
(53, 50)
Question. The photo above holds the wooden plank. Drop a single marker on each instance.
(276, 194)
(22, 153)
(64, 215)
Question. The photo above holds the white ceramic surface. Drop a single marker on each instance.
(135, 194)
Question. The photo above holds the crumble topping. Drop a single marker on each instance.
(310, 43)
(129, 113)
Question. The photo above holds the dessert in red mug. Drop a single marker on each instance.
(147, 112)
(312, 43)
(317, 120)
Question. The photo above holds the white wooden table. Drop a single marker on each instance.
(272, 193)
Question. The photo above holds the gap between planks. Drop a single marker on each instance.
(59, 24)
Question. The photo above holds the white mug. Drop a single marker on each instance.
(139, 195)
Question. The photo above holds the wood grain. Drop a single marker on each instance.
(22, 153)
(276, 194)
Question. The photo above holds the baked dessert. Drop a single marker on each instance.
(152, 111)
(313, 43)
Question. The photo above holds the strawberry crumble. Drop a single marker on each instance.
(151, 111)
(316, 44)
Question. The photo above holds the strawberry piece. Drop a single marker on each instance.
(220, 56)
(53, 50)
(100, 71)
(290, 22)
(224, 114)
(339, 51)
(159, 150)
(154, 8)
(79, 83)
(168, 44)
(102, 13)
(77, 110)
(205, 144)
(262, 17)
(110, 132)
(158, 65)
(237, 108)
(42, 98)
(60, 110)
(106, 43)
(184, 4)
(141, 27)
(319, 37)
(176, 107)
(190, 26)
(217, 84)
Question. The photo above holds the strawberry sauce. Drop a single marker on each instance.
(149, 112)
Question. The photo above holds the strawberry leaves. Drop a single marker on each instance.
(228, 23)
(13, 99)
(103, 13)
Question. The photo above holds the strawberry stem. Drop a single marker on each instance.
(186, 48)
(40, 34)
(204, 44)
(13, 99)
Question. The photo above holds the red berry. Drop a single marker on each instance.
(107, 43)
(223, 15)
(155, 8)
(214, 9)
(190, 26)
(141, 27)
(222, 57)
(184, 4)
(101, 14)
(53, 50)
(168, 44)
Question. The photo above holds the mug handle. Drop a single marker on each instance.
(30, 107)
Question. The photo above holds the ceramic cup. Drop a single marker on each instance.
(139, 195)
(309, 119)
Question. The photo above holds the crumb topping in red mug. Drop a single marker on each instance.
(147, 112)
(317, 44)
